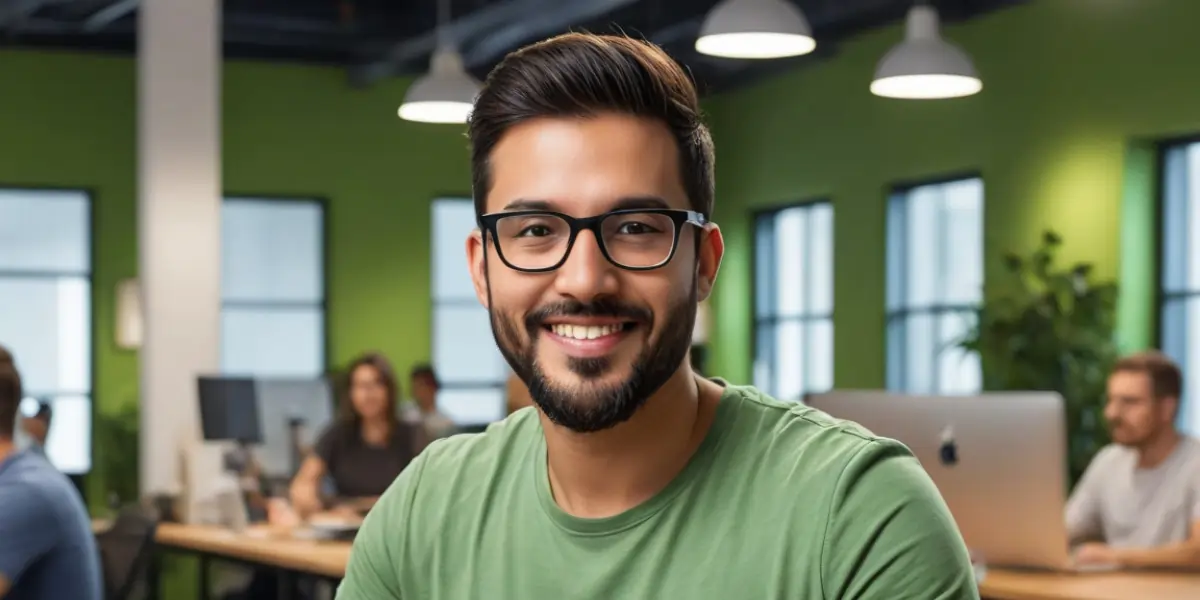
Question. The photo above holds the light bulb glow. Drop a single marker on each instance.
(435, 112)
(755, 45)
(926, 87)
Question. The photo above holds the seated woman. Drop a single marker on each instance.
(362, 451)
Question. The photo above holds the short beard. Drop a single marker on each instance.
(589, 407)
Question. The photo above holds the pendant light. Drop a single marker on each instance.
(924, 66)
(755, 29)
(447, 93)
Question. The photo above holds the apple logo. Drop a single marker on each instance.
(948, 450)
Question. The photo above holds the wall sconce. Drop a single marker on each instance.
(129, 315)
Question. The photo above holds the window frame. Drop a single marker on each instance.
(89, 195)
(893, 193)
(775, 320)
(435, 303)
(322, 202)
(1162, 187)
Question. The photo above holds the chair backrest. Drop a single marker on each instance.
(126, 550)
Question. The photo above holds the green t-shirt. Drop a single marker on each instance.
(780, 501)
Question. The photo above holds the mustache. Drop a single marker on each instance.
(574, 308)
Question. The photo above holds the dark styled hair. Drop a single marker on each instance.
(583, 75)
(6, 357)
(425, 370)
(387, 376)
(10, 399)
(1165, 376)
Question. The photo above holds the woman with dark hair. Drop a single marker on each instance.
(363, 450)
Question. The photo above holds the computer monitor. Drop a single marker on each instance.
(292, 412)
(229, 409)
(998, 459)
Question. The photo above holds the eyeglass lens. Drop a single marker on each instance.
(635, 240)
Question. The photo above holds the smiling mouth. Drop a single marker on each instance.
(588, 332)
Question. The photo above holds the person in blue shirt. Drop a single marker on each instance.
(47, 549)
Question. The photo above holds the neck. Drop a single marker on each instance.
(1157, 449)
(605, 473)
(375, 431)
(6, 448)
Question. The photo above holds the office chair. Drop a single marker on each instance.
(126, 554)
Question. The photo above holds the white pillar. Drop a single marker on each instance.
(179, 223)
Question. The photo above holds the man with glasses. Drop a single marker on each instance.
(633, 477)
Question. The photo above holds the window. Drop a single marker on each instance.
(793, 301)
(934, 284)
(272, 287)
(46, 312)
(1180, 276)
(468, 363)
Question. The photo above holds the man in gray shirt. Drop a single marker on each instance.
(47, 550)
(1138, 503)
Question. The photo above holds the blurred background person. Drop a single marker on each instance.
(423, 382)
(363, 450)
(1138, 503)
(37, 426)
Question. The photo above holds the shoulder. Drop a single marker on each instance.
(791, 431)
(802, 448)
(883, 526)
(1191, 457)
(448, 477)
(33, 492)
(1191, 449)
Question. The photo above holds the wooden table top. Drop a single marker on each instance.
(329, 558)
(257, 544)
(1000, 584)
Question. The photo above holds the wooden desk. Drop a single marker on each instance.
(288, 556)
(1016, 585)
(310, 557)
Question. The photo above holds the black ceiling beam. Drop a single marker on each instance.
(490, 17)
(109, 14)
(536, 26)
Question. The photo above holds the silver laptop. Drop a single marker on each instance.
(998, 459)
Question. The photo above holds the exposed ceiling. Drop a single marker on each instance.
(377, 39)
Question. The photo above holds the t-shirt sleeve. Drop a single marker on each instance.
(1082, 514)
(27, 530)
(376, 570)
(890, 535)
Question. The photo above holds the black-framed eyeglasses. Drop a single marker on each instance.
(536, 241)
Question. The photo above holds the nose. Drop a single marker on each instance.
(1110, 412)
(586, 274)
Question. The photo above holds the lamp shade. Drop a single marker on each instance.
(755, 29)
(925, 66)
(445, 95)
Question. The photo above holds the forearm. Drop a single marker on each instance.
(305, 498)
(1175, 556)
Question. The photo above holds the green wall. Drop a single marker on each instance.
(1074, 91)
(69, 120)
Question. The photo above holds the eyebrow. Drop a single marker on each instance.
(626, 203)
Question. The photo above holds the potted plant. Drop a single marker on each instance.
(116, 454)
(1052, 330)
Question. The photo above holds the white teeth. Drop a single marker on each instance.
(584, 332)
